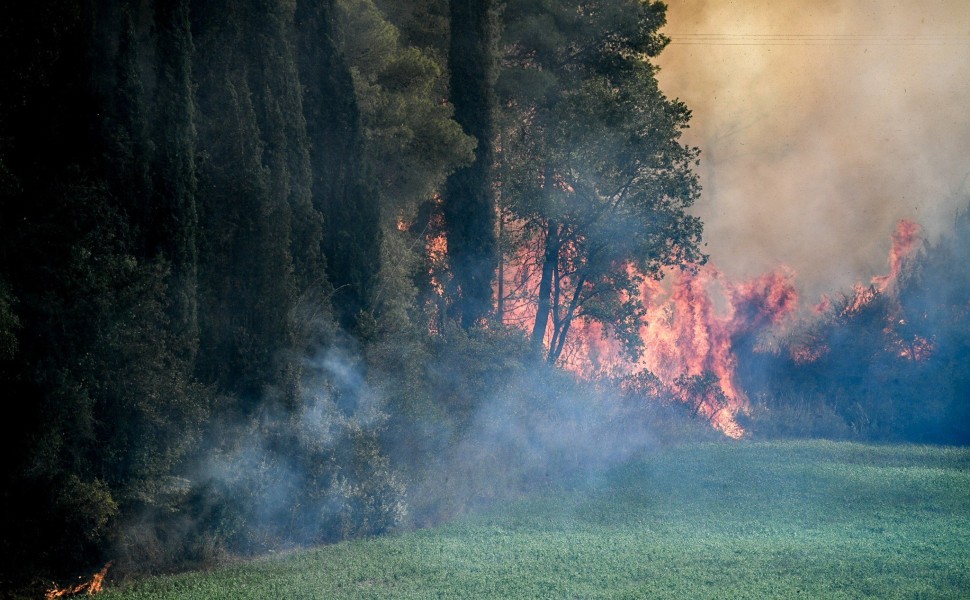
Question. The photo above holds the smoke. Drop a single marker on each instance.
(308, 473)
(541, 429)
(820, 127)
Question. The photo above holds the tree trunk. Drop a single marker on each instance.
(550, 263)
(562, 327)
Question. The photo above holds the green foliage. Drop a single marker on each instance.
(341, 188)
(85, 509)
(129, 147)
(9, 324)
(779, 520)
(411, 141)
(248, 283)
(173, 221)
(422, 24)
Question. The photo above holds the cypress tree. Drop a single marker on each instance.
(278, 101)
(173, 225)
(247, 266)
(350, 208)
(469, 205)
(128, 153)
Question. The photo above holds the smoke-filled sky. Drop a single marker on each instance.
(821, 124)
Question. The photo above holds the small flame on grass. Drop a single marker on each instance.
(90, 587)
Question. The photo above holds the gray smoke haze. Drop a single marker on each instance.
(822, 124)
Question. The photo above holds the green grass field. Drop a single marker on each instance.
(724, 520)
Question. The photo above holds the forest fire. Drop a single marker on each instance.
(697, 319)
(691, 331)
(89, 587)
(693, 320)
(906, 240)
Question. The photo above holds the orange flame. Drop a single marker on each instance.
(918, 349)
(90, 587)
(695, 329)
(906, 240)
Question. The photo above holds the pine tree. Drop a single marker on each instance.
(592, 161)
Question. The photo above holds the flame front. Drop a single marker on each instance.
(695, 320)
(906, 240)
(693, 324)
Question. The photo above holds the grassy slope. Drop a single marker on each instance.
(782, 520)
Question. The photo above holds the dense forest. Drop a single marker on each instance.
(285, 272)
(249, 250)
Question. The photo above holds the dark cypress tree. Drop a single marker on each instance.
(99, 360)
(173, 219)
(278, 102)
(351, 210)
(469, 205)
(128, 153)
(47, 118)
(247, 266)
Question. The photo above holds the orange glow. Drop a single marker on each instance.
(906, 241)
(90, 587)
(693, 330)
(919, 349)
(436, 250)
(807, 354)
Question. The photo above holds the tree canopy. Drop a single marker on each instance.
(592, 163)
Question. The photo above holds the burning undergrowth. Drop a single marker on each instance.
(686, 329)
(885, 360)
(87, 587)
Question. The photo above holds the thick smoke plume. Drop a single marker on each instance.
(821, 126)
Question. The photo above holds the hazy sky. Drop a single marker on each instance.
(821, 124)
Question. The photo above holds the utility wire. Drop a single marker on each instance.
(808, 39)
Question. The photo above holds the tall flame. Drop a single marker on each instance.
(906, 240)
(692, 327)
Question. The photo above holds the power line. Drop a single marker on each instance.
(807, 39)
